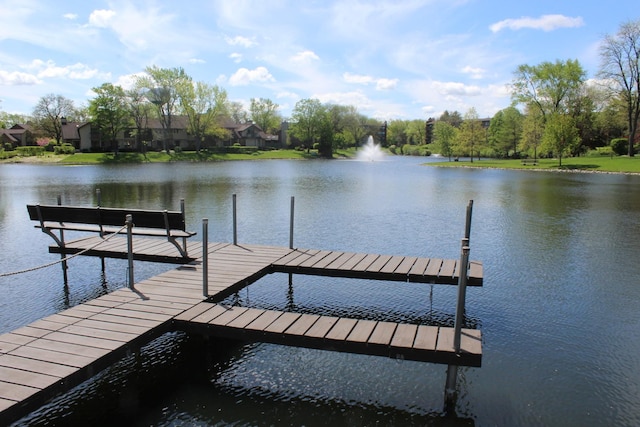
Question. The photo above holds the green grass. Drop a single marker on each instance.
(620, 164)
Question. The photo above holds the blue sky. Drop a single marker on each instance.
(409, 59)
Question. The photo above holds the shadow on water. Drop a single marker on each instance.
(179, 379)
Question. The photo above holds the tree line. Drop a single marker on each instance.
(555, 111)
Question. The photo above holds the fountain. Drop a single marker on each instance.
(370, 151)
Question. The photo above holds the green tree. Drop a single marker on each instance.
(204, 105)
(560, 135)
(505, 131)
(354, 126)
(307, 117)
(139, 110)
(237, 113)
(48, 114)
(620, 69)
(454, 118)
(264, 113)
(444, 135)
(471, 135)
(548, 86)
(110, 112)
(416, 132)
(162, 86)
(532, 128)
(396, 132)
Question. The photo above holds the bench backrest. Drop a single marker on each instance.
(174, 220)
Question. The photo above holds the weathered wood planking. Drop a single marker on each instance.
(404, 341)
(380, 267)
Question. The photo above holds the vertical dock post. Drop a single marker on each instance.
(205, 257)
(467, 228)
(452, 370)
(291, 223)
(129, 222)
(62, 255)
(99, 203)
(184, 218)
(235, 221)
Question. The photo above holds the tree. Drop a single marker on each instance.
(237, 112)
(354, 126)
(416, 132)
(48, 114)
(396, 132)
(505, 131)
(620, 70)
(471, 134)
(307, 116)
(560, 135)
(444, 135)
(162, 86)
(139, 111)
(110, 112)
(204, 105)
(548, 86)
(264, 113)
(454, 118)
(532, 128)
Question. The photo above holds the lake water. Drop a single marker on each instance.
(559, 310)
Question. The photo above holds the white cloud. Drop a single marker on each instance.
(101, 18)
(197, 61)
(456, 89)
(305, 57)
(128, 81)
(77, 71)
(381, 83)
(545, 23)
(289, 95)
(236, 57)
(70, 16)
(386, 84)
(474, 72)
(244, 76)
(345, 98)
(16, 78)
(240, 41)
(358, 78)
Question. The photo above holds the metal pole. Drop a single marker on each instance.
(99, 201)
(129, 222)
(467, 230)
(462, 291)
(293, 199)
(205, 257)
(452, 370)
(184, 239)
(62, 255)
(235, 222)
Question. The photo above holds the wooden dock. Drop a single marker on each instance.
(54, 354)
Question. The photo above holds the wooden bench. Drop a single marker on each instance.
(530, 162)
(105, 221)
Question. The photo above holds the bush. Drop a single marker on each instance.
(30, 150)
(415, 150)
(620, 146)
(393, 149)
(64, 149)
(51, 146)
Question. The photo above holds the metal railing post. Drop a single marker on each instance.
(205, 257)
(235, 221)
(63, 255)
(129, 222)
(291, 222)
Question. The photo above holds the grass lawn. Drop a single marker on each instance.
(620, 164)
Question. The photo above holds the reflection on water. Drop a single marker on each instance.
(558, 311)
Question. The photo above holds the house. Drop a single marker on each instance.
(18, 135)
(248, 134)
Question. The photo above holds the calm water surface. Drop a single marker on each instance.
(559, 311)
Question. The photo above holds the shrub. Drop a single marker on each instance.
(620, 146)
(393, 149)
(30, 150)
(64, 149)
(415, 150)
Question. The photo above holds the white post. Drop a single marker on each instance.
(291, 223)
(235, 222)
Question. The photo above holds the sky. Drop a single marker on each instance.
(392, 59)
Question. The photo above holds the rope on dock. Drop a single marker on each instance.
(28, 270)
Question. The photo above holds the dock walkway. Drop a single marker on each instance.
(58, 352)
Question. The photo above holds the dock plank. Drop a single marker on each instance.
(382, 333)
(341, 329)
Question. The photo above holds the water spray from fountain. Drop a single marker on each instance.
(370, 152)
